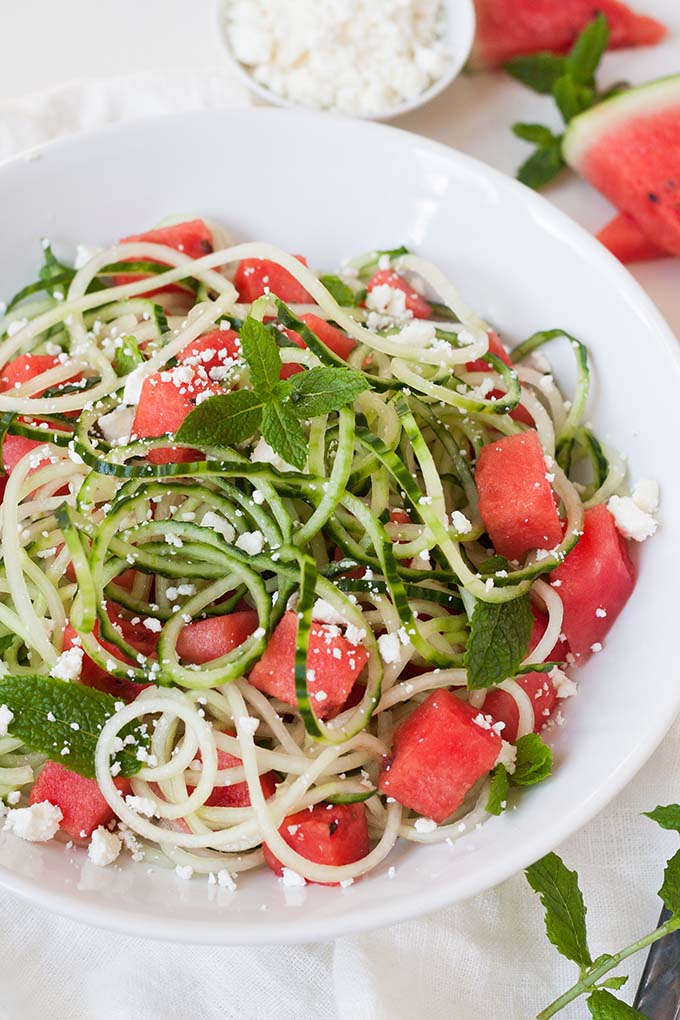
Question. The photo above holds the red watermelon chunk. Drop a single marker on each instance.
(512, 28)
(333, 660)
(81, 801)
(93, 675)
(439, 753)
(330, 335)
(193, 238)
(623, 238)
(415, 302)
(515, 498)
(496, 347)
(204, 640)
(255, 277)
(166, 399)
(237, 794)
(333, 834)
(628, 147)
(215, 352)
(24, 368)
(596, 578)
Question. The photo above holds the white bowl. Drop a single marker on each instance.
(524, 266)
(458, 36)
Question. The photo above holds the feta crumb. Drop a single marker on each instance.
(258, 497)
(564, 686)
(634, 515)
(425, 825)
(218, 524)
(247, 724)
(507, 756)
(252, 542)
(389, 647)
(263, 454)
(291, 878)
(460, 522)
(36, 823)
(6, 716)
(142, 805)
(104, 847)
(324, 612)
(152, 624)
(117, 425)
(68, 665)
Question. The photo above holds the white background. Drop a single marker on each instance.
(484, 960)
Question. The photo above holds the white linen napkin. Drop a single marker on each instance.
(487, 959)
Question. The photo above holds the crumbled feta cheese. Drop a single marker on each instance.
(324, 612)
(13, 797)
(389, 647)
(218, 524)
(634, 515)
(117, 425)
(425, 825)
(104, 847)
(142, 805)
(460, 522)
(152, 624)
(36, 823)
(247, 724)
(418, 333)
(252, 542)
(6, 716)
(292, 878)
(133, 385)
(68, 665)
(263, 454)
(564, 686)
(258, 497)
(507, 756)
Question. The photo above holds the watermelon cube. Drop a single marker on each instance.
(208, 639)
(626, 240)
(594, 582)
(24, 368)
(166, 399)
(333, 834)
(516, 500)
(333, 665)
(237, 794)
(92, 675)
(334, 338)
(255, 277)
(215, 351)
(439, 753)
(193, 237)
(415, 302)
(81, 801)
(496, 347)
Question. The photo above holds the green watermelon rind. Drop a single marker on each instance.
(591, 126)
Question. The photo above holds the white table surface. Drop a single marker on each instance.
(48, 43)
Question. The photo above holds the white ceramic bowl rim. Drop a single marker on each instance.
(318, 922)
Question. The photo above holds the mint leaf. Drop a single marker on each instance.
(45, 711)
(492, 564)
(667, 817)
(536, 133)
(540, 168)
(586, 53)
(615, 982)
(283, 432)
(222, 420)
(605, 1006)
(127, 356)
(54, 275)
(339, 290)
(322, 390)
(533, 762)
(565, 911)
(498, 791)
(498, 641)
(261, 352)
(670, 890)
(571, 98)
(538, 71)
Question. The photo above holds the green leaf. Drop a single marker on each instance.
(615, 982)
(50, 715)
(668, 816)
(539, 71)
(565, 911)
(493, 564)
(498, 791)
(338, 289)
(6, 641)
(540, 168)
(571, 98)
(498, 641)
(670, 890)
(222, 420)
(587, 51)
(605, 1006)
(533, 762)
(283, 432)
(127, 356)
(261, 352)
(539, 134)
(322, 390)
(54, 275)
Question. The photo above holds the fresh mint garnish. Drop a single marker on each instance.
(498, 641)
(339, 290)
(565, 911)
(533, 764)
(127, 356)
(668, 816)
(63, 721)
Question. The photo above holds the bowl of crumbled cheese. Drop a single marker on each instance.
(374, 59)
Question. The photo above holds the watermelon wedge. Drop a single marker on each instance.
(332, 834)
(628, 148)
(627, 241)
(513, 28)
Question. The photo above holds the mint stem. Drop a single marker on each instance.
(592, 976)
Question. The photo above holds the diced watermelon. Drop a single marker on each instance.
(216, 349)
(330, 335)
(515, 498)
(93, 675)
(208, 639)
(81, 801)
(165, 401)
(627, 147)
(415, 302)
(237, 794)
(193, 237)
(512, 28)
(496, 347)
(24, 368)
(333, 834)
(626, 240)
(334, 662)
(255, 277)
(596, 575)
(16, 447)
(439, 753)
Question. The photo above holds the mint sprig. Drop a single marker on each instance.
(571, 82)
(276, 407)
(533, 764)
(565, 921)
(498, 641)
(63, 721)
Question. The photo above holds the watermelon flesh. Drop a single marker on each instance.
(439, 753)
(513, 28)
(628, 148)
(594, 582)
(93, 675)
(255, 277)
(193, 237)
(204, 640)
(332, 834)
(330, 335)
(165, 401)
(237, 795)
(625, 239)
(516, 500)
(333, 660)
(496, 347)
(215, 352)
(81, 801)
(415, 302)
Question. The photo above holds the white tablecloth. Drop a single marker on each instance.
(486, 959)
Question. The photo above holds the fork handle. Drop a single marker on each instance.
(658, 994)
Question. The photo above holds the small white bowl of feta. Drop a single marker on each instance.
(374, 59)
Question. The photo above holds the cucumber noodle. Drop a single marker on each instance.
(416, 432)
